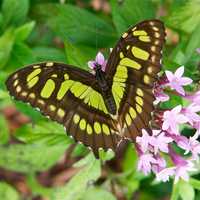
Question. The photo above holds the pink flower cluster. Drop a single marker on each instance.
(153, 148)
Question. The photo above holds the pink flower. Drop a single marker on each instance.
(194, 98)
(99, 60)
(159, 165)
(144, 140)
(165, 174)
(158, 90)
(145, 162)
(172, 118)
(160, 96)
(183, 167)
(192, 146)
(191, 113)
(160, 142)
(176, 81)
(182, 171)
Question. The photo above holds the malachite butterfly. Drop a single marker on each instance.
(102, 109)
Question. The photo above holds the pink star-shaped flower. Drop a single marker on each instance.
(159, 165)
(191, 113)
(191, 145)
(176, 81)
(172, 118)
(145, 162)
(100, 60)
(160, 96)
(194, 98)
(144, 140)
(160, 143)
(164, 174)
(182, 171)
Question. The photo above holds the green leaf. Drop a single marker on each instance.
(186, 17)
(186, 191)
(43, 53)
(195, 183)
(44, 132)
(30, 158)
(14, 12)
(175, 192)
(6, 44)
(21, 55)
(77, 25)
(130, 159)
(4, 133)
(79, 55)
(193, 44)
(130, 12)
(77, 186)
(7, 192)
(98, 193)
(22, 32)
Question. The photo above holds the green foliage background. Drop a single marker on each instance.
(40, 30)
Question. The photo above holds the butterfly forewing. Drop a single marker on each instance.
(69, 96)
(132, 68)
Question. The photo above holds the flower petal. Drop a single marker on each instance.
(91, 64)
(169, 75)
(186, 81)
(100, 58)
(179, 72)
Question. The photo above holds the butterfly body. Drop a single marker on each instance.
(102, 109)
(105, 88)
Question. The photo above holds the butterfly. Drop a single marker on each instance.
(102, 109)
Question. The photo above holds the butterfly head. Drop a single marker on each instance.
(98, 64)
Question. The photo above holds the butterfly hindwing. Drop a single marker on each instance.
(69, 96)
(132, 68)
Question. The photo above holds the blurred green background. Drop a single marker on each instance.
(37, 160)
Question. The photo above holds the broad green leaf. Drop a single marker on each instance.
(29, 111)
(129, 12)
(7, 192)
(21, 55)
(6, 44)
(79, 55)
(129, 162)
(22, 32)
(130, 182)
(195, 183)
(30, 158)
(186, 17)
(44, 132)
(98, 193)
(5, 99)
(175, 192)
(4, 133)
(77, 25)
(79, 151)
(44, 53)
(77, 186)
(1, 20)
(84, 161)
(193, 44)
(14, 12)
(186, 191)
